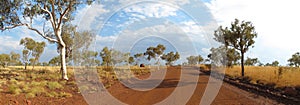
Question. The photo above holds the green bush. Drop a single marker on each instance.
(14, 89)
(54, 85)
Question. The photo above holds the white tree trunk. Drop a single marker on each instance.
(63, 63)
(62, 56)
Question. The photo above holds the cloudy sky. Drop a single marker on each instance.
(182, 25)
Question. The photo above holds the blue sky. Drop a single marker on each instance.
(184, 25)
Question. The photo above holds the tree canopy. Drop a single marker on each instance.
(239, 36)
(295, 60)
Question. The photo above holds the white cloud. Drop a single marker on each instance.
(8, 43)
(152, 10)
(88, 14)
(276, 23)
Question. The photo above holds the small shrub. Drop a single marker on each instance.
(30, 95)
(64, 94)
(54, 85)
(14, 89)
(37, 90)
(52, 94)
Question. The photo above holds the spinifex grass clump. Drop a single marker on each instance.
(268, 75)
(32, 83)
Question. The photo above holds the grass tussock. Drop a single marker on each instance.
(277, 76)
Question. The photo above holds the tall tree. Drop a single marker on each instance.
(251, 61)
(138, 58)
(56, 13)
(239, 36)
(230, 56)
(193, 60)
(295, 60)
(4, 60)
(275, 63)
(55, 61)
(155, 52)
(25, 58)
(105, 54)
(90, 58)
(15, 59)
(32, 48)
(131, 60)
(170, 57)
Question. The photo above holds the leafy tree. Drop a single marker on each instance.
(239, 36)
(155, 52)
(32, 48)
(251, 61)
(55, 61)
(138, 57)
(25, 56)
(118, 57)
(170, 57)
(193, 60)
(15, 59)
(4, 60)
(295, 60)
(231, 58)
(56, 13)
(45, 64)
(275, 63)
(90, 57)
(131, 60)
(105, 54)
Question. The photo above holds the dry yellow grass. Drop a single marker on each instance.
(279, 76)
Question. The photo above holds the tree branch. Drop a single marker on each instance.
(11, 27)
(64, 13)
(51, 17)
(41, 34)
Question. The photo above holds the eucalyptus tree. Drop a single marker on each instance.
(170, 57)
(32, 49)
(295, 60)
(239, 36)
(138, 57)
(55, 13)
(155, 52)
(4, 60)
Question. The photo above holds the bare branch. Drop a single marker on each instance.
(53, 13)
(11, 27)
(64, 13)
(41, 34)
(51, 17)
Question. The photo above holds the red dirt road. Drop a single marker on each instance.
(166, 92)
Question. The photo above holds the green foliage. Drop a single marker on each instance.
(32, 49)
(193, 60)
(14, 89)
(155, 52)
(131, 60)
(170, 57)
(54, 85)
(138, 57)
(295, 60)
(239, 36)
(15, 59)
(251, 61)
(4, 60)
(55, 61)
(56, 13)
(105, 54)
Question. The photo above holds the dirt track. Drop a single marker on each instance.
(228, 95)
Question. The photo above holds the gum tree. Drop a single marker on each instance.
(239, 36)
(170, 57)
(33, 49)
(55, 13)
